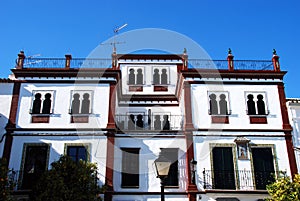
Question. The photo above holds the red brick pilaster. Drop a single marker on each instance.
(11, 121)
(230, 60)
(188, 123)
(109, 175)
(188, 130)
(20, 61)
(112, 107)
(275, 61)
(68, 61)
(287, 130)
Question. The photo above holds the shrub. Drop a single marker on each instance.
(285, 189)
(68, 181)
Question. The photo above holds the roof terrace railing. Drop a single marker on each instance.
(44, 63)
(68, 62)
(61, 63)
(253, 65)
(238, 64)
(90, 63)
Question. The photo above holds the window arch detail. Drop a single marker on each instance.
(218, 103)
(42, 102)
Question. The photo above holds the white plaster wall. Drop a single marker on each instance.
(239, 118)
(5, 103)
(149, 151)
(294, 117)
(203, 154)
(148, 78)
(97, 145)
(62, 100)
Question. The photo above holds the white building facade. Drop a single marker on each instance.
(293, 105)
(225, 129)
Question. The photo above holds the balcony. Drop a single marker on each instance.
(61, 63)
(237, 180)
(260, 65)
(238, 64)
(141, 122)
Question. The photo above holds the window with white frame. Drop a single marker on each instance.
(81, 102)
(218, 103)
(42, 102)
(136, 120)
(77, 152)
(161, 121)
(160, 75)
(136, 75)
(256, 103)
(130, 167)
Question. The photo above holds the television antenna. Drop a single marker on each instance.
(116, 31)
(33, 60)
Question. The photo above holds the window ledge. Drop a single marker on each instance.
(40, 118)
(220, 119)
(135, 88)
(80, 118)
(258, 119)
(171, 186)
(130, 187)
(160, 88)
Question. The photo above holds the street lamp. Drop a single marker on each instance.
(193, 167)
(162, 166)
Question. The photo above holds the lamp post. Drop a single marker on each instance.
(193, 167)
(162, 166)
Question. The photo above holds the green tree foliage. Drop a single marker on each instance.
(6, 184)
(285, 189)
(68, 181)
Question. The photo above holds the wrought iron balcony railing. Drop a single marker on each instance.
(161, 122)
(90, 63)
(61, 63)
(238, 64)
(107, 63)
(237, 180)
(44, 63)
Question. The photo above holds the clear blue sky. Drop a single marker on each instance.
(251, 28)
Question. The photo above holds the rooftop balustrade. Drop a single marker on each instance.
(69, 62)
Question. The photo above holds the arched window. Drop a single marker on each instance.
(166, 122)
(164, 77)
(139, 122)
(261, 109)
(131, 76)
(36, 107)
(131, 122)
(157, 122)
(85, 107)
(223, 105)
(213, 104)
(47, 104)
(80, 103)
(156, 79)
(139, 76)
(251, 105)
(75, 104)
